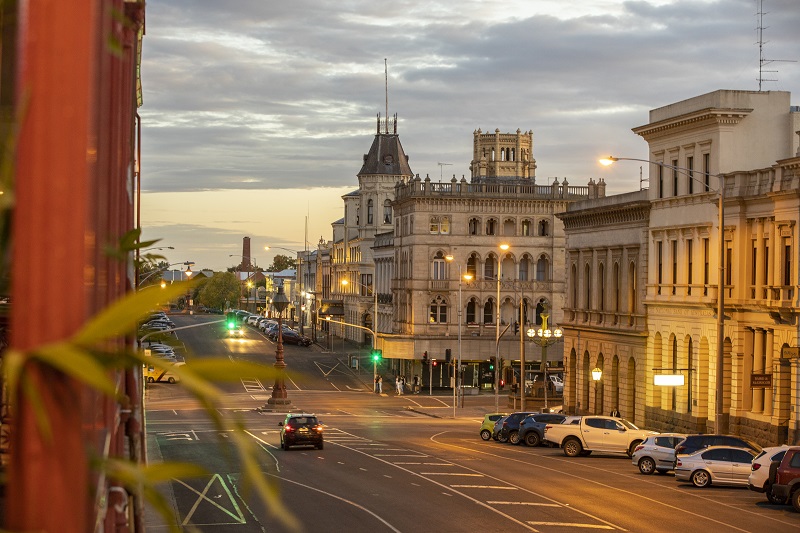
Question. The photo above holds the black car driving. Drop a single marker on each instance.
(301, 429)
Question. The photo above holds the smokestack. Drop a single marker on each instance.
(246, 254)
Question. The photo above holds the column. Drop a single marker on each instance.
(769, 347)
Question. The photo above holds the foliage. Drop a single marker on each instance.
(220, 289)
(282, 262)
(83, 358)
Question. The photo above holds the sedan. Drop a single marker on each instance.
(723, 465)
(657, 453)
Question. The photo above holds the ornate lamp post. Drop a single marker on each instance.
(280, 302)
(543, 337)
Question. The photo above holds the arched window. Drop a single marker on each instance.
(524, 266)
(474, 226)
(488, 267)
(438, 272)
(491, 227)
(544, 228)
(488, 312)
(526, 228)
(542, 268)
(438, 314)
(471, 309)
(387, 212)
(472, 266)
(369, 211)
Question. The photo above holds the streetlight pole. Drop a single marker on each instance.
(458, 398)
(720, 385)
(546, 337)
(503, 247)
(279, 396)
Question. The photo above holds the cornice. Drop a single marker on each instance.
(708, 116)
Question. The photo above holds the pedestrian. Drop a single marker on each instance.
(416, 384)
(380, 384)
(402, 384)
(615, 413)
(397, 385)
(376, 388)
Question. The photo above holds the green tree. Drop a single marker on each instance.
(281, 262)
(222, 287)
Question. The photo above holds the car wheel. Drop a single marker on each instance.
(572, 448)
(532, 439)
(320, 445)
(647, 466)
(774, 498)
(486, 434)
(701, 478)
(632, 447)
(502, 438)
(513, 437)
(151, 380)
(795, 497)
(171, 380)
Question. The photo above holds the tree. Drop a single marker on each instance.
(282, 262)
(222, 287)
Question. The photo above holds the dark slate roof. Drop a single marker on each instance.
(386, 156)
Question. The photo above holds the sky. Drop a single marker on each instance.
(257, 113)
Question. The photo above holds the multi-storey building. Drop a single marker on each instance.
(746, 141)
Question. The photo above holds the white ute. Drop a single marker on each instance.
(583, 435)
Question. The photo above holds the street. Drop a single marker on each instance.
(404, 464)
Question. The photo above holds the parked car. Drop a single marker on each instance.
(785, 478)
(601, 433)
(153, 374)
(723, 465)
(299, 429)
(531, 429)
(292, 337)
(487, 426)
(657, 453)
(498, 425)
(510, 428)
(759, 480)
(692, 443)
(252, 320)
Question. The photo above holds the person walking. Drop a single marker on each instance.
(397, 385)
(378, 384)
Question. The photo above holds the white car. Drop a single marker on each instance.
(723, 465)
(759, 471)
(253, 319)
(657, 453)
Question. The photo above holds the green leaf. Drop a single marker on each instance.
(40, 413)
(78, 364)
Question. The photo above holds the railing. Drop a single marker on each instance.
(417, 187)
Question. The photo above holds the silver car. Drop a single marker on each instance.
(723, 465)
(657, 453)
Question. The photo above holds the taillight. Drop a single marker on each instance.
(288, 428)
(639, 447)
(548, 426)
(755, 466)
(678, 463)
(318, 429)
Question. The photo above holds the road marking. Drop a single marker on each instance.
(571, 524)
(239, 517)
(500, 487)
(252, 385)
(538, 504)
(397, 455)
(449, 474)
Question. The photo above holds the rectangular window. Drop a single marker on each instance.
(438, 269)
(753, 264)
(707, 170)
(660, 181)
(674, 266)
(488, 315)
(674, 177)
(689, 266)
(434, 227)
(366, 285)
(444, 226)
(706, 267)
(787, 264)
(660, 260)
(728, 263)
(690, 166)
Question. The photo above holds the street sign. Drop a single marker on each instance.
(790, 352)
(760, 381)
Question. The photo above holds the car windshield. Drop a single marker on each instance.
(303, 420)
(626, 424)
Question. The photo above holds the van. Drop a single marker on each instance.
(154, 374)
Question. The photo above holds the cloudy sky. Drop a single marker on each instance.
(257, 112)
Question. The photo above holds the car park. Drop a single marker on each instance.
(759, 480)
(509, 431)
(692, 443)
(721, 465)
(487, 426)
(301, 429)
(531, 429)
(657, 453)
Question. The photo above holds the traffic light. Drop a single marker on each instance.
(425, 358)
(447, 355)
(434, 362)
(516, 328)
(491, 363)
(230, 320)
(377, 355)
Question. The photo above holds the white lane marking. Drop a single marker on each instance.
(571, 524)
(450, 474)
(536, 504)
(263, 444)
(499, 487)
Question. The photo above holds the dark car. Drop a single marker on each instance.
(301, 429)
(510, 430)
(692, 443)
(498, 425)
(531, 429)
(292, 337)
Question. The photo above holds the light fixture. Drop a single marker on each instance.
(669, 380)
(597, 374)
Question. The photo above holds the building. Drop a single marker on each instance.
(748, 143)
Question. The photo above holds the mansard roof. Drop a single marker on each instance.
(386, 156)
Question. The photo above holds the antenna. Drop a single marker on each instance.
(441, 165)
(762, 61)
(386, 82)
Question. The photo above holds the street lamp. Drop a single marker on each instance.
(597, 375)
(279, 397)
(164, 268)
(543, 337)
(503, 247)
(458, 398)
(720, 385)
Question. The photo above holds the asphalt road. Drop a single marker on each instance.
(404, 464)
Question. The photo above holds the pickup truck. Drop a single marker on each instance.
(583, 435)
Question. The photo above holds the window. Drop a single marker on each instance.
(526, 228)
(674, 265)
(601, 282)
(706, 267)
(471, 305)
(674, 177)
(488, 314)
(434, 226)
(690, 166)
(542, 268)
(444, 226)
(438, 313)
(598, 423)
(787, 263)
(660, 181)
(369, 211)
(366, 285)
(474, 226)
(689, 266)
(544, 228)
(523, 267)
(491, 226)
(387, 212)
(439, 267)
(707, 169)
(472, 268)
(488, 267)
(660, 261)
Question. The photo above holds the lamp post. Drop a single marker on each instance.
(279, 397)
(543, 337)
(720, 385)
(497, 369)
(458, 398)
(162, 269)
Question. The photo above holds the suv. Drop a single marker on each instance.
(531, 429)
(298, 429)
(692, 443)
(509, 432)
(657, 453)
(785, 479)
(760, 471)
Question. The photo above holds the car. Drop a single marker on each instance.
(498, 425)
(657, 453)
(692, 443)
(235, 331)
(785, 477)
(252, 320)
(759, 480)
(509, 432)
(292, 337)
(531, 429)
(487, 425)
(301, 429)
(722, 465)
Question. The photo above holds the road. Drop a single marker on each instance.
(404, 464)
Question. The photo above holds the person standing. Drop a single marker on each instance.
(416, 384)
(378, 384)
(397, 385)
(615, 413)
